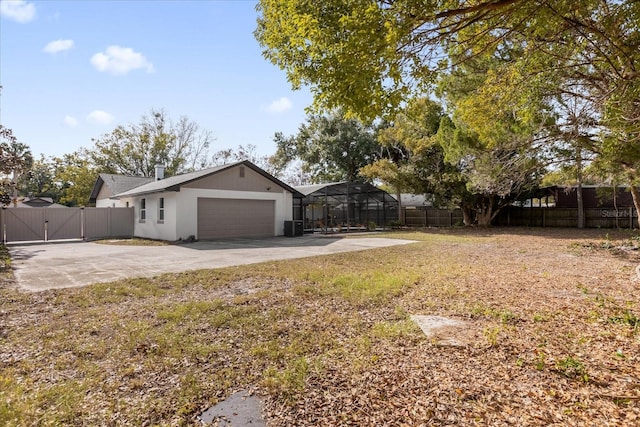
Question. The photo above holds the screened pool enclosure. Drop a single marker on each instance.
(344, 206)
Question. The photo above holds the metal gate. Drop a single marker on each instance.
(45, 224)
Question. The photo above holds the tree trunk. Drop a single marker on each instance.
(636, 200)
(485, 213)
(581, 221)
(401, 213)
(467, 217)
(484, 217)
(14, 193)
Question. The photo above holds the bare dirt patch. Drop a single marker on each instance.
(329, 340)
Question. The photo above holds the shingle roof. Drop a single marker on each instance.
(117, 183)
(171, 182)
(122, 183)
(174, 183)
(36, 202)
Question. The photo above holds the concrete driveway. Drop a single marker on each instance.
(44, 266)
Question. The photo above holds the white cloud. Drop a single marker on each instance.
(280, 105)
(99, 117)
(58, 46)
(120, 60)
(70, 121)
(17, 10)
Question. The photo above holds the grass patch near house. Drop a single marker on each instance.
(328, 340)
(136, 241)
(6, 274)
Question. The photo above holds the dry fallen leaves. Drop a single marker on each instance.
(553, 339)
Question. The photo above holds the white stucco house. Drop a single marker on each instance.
(235, 200)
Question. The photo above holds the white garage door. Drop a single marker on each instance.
(226, 218)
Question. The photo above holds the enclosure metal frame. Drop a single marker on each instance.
(344, 207)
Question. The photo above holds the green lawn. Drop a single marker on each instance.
(552, 338)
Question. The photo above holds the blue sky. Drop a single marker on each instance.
(74, 70)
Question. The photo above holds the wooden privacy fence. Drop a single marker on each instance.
(528, 217)
(568, 217)
(432, 217)
(45, 224)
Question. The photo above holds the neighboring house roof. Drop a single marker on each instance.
(37, 202)
(174, 183)
(409, 199)
(117, 183)
(308, 189)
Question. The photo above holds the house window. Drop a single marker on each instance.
(143, 209)
(241, 171)
(161, 209)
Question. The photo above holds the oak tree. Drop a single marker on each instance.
(135, 149)
(331, 148)
(15, 160)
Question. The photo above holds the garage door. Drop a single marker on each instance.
(225, 218)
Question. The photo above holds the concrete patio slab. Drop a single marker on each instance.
(44, 266)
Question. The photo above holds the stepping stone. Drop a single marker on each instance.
(239, 410)
(446, 332)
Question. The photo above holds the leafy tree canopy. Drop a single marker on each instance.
(136, 149)
(412, 161)
(244, 152)
(15, 160)
(369, 56)
(39, 180)
(332, 148)
(76, 176)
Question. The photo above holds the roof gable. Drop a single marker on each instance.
(174, 183)
(116, 184)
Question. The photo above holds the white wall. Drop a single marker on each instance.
(103, 200)
(151, 227)
(181, 211)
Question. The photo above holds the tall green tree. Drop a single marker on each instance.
(75, 176)
(366, 56)
(15, 160)
(369, 56)
(242, 152)
(39, 180)
(413, 161)
(575, 142)
(136, 149)
(495, 139)
(331, 148)
(493, 176)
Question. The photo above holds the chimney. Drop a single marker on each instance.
(159, 172)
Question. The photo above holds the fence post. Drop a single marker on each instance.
(4, 225)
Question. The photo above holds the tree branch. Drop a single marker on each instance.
(487, 6)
